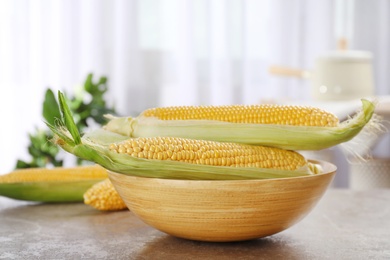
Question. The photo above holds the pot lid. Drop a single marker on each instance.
(346, 56)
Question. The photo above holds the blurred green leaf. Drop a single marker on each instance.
(22, 165)
(88, 84)
(50, 107)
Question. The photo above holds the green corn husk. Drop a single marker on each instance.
(94, 147)
(280, 136)
(47, 191)
(39, 188)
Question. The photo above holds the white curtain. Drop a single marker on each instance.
(167, 52)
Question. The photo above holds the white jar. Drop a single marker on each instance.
(342, 75)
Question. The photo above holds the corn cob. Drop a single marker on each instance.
(287, 127)
(262, 163)
(51, 185)
(209, 153)
(251, 114)
(103, 196)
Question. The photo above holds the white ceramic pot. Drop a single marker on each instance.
(340, 75)
(337, 75)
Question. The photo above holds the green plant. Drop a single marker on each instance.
(89, 106)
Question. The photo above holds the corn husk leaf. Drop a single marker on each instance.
(69, 191)
(67, 119)
(280, 136)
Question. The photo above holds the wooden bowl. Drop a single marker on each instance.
(222, 210)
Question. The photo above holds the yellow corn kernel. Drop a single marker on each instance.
(58, 174)
(253, 114)
(103, 196)
(215, 153)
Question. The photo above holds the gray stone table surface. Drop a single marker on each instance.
(345, 224)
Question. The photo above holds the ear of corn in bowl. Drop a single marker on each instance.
(225, 173)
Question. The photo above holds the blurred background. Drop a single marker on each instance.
(173, 52)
